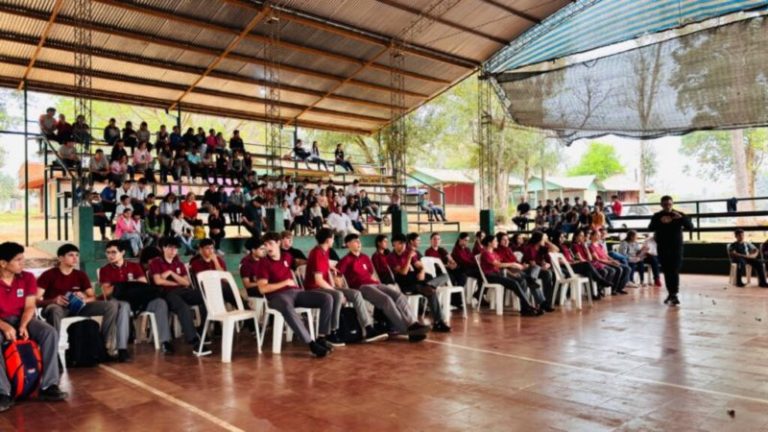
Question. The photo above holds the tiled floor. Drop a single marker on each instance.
(629, 363)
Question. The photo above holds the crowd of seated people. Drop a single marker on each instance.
(569, 217)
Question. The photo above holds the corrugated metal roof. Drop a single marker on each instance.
(161, 47)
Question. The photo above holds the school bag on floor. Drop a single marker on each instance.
(86, 348)
(349, 327)
(24, 367)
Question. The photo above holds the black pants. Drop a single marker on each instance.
(217, 239)
(516, 285)
(588, 270)
(411, 285)
(255, 231)
(756, 264)
(179, 302)
(671, 263)
(101, 222)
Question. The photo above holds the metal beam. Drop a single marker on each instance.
(66, 90)
(195, 22)
(514, 11)
(354, 33)
(43, 37)
(259, 17)
(443, 21)
(178, 44)
(177, 67)
(117, 77)
(322, 98)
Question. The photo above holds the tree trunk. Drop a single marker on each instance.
(526, 176)
(643, 179)
(740, 170)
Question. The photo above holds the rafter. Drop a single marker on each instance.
(195, 22)
(117, 77)
(457, 26)
(177, 67)
(362, 35)
(66, 90)
(513, 11)
(43, 37)
(259, 17)
(337, 86)
(213, 52)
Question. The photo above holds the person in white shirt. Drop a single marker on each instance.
(340, 223)
(183, 231)
(652, 258)
(353, 189)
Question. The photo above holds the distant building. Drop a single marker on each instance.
(585, 187)
(459, 186)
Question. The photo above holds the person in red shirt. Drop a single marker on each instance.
(581, 254)
(249, 266)
(457, 274)
(414, 243)
(57, 284)
(536, 256)
(121, 273)
(616, 206)
(583, 268)
(493, 269)
(318, 277)
(286, 247)
(379, 259)
(599, 254)
(357, 269)
(18, 295)
(277, 284)
(410, 276)
(188, 208)
(207, 259)
(478, 246)
(169, 274)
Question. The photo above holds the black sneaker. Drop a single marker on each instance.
(418, 329)
(416, 337)
(123, 356)
(335, 340)
(325, 344)
(668, 299)
(548, 309)
(441, 327)
(52, 394)
(674, 300)
(318, 349)
(6, 402)
(530, 312)
(167, 348)
(374, 335)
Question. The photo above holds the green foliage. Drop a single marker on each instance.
(599, 160)
(713, 152)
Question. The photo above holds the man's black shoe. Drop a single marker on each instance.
(763, 285)
(6, 402)
(418, 329)
(335, 340)
(323, 342)
(52, 394)
(548, 309)
(530, 313)
(317, 349)
(441, 327)
(416, 337)
(740, 284)
(674, 300)
(123, 356)
(167, 348)
(373, 335)
(668, 299)
(622, 292)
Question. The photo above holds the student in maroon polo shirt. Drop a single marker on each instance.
(536, 256)
(318, 277)
(169, 274)
(414, 244)
(463, 257)
(118, 271)
(249, 266)
(410, 276)
(56, 283)
(379, 259)
(18, 295)
(207, 259)
(277, 284)
(286, 247)
(357, 269)
(492, 267)
(458, 276)
(478, 246)
(520, 269)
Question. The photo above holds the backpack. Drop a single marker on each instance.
(349, 326)
(24, 367)
(137, 294)
(86, 348)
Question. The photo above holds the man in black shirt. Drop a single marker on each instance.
(667, 226)
(521, 220)
(253, 217)
(744, 253)
(212, 196)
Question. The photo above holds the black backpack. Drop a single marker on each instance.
(349, 327)
(86, 348)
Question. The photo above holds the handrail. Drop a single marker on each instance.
(44, 139)
(429, 186)
(761, 198)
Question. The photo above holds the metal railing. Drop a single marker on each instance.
(47, 148)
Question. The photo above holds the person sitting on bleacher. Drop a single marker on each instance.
(169, 274)
(300, 152)
(126, 230)
(236, 143)
(195, 164)
(47, 123)
(100, 218)
(410, 276)
(216, 227)
(125, 203)
(276, 283)
(165, 160)
(162, 137)
(190, 140)
(358, 271)
(143, 134)
(341, 160)
(314, 157)
(368, 207)
(340, 223)
(175, 140)
(129, 136)
(69, 156)
(235, 204)
(189, 207)
(64, 291)
(182, 231)
(353, 213)
(18, 294)
(181, 165)
(253, 217)
(744, 253)
(111, 132)
(142, 161)
(81, 132)
(130, 280)
(154, 225)
(109, 198)
(138, 192)
(63, 129)
(119, 169)
(98, 167)
(319, 277)
(212, 142)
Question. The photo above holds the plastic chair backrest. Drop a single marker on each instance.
(480, 268)
(728, 252)
(518, 256)
(296, 279)
(213, 292)
(192, 278)
(557, 258)
(430, 264)
(568, 267)
(301, 274)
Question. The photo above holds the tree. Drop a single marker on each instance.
(600, 160)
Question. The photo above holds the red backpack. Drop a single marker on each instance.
(24, 367)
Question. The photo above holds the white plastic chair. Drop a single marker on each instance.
(431, 265)
(733, 276)
(413, 299)
(211, 286)
(141, 321)
(577, 284)
(498, 290)
(64, 335)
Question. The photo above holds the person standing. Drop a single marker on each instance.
(667, 226)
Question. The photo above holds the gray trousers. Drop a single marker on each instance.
(157, 306)
(343, 295)
(48, 340)
(54, 313)
(287, 301)
(392, 302)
